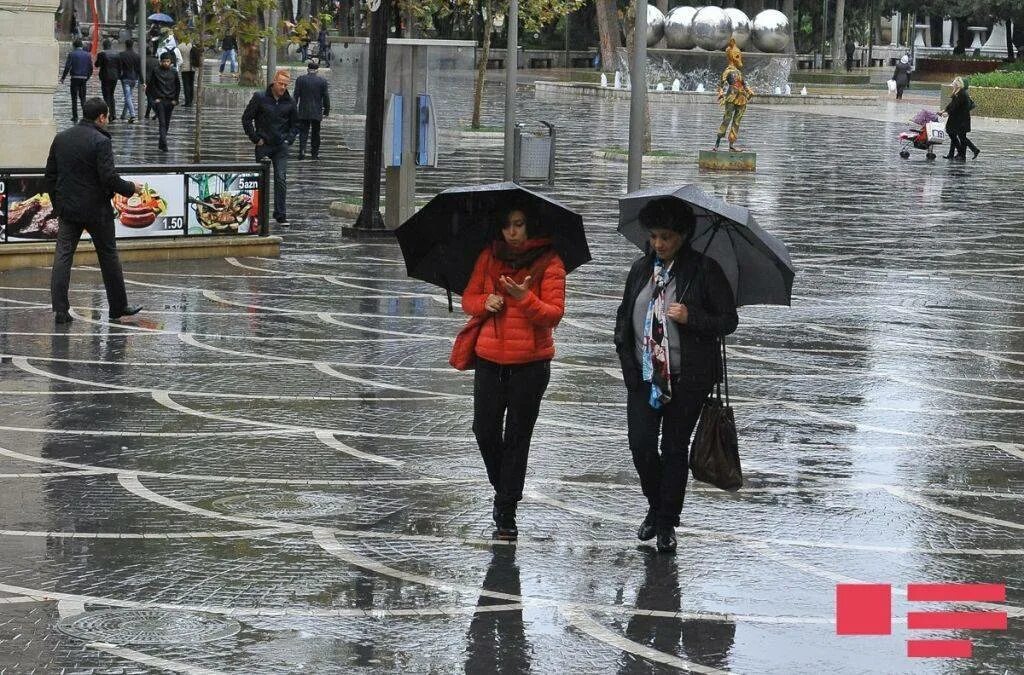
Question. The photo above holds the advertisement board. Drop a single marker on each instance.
(223, 203)
(28, 213)
(157, 211)
(173, 201)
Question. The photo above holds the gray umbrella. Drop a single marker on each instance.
(756, 263)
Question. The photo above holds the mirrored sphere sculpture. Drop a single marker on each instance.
(771, 31)
(712, 28)
(655, 25)
(679, 28)
(740, 26)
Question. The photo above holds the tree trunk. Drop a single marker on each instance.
(250, 65)
(838, 39)
(608, 31)
(1009, 39)
(481, 67)
(789, 10)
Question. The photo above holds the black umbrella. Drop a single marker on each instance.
(442, 241)
(756, 263)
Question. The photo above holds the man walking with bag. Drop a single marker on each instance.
(271, 123)
(314, 103)
(81, 180)
(109, 64)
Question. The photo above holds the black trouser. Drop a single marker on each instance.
(304, 128)
(150, 106)
(899, 90)
(163, 114)
(77, 95)
(107, 87)
(278, 155)
(68, 236)
(662, 476)
(959, 143)
(188, 83)
(506, 402)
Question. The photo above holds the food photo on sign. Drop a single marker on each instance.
(30, 215)
(156, 211)
(223, 203)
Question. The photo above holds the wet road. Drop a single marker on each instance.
(280, 445)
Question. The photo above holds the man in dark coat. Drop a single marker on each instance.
(79, 64)
(81, 180)
(164, 86)
(851, 47)
(314, 103)
(271, 123)
(109, 64)
(131, 73)
(902, 75)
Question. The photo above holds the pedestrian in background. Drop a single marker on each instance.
(958, 125)
(152, 65)
(324, 44)
(518, 282)
(229, 52)
(676, 305)
(271, 122)
(79, 65)
(851, 47)
(108, 62)
(902, 75)
(81, 180)
(164, 85)
(131, 73)
(313, 101)
(188, 73)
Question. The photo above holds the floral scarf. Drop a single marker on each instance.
(655, 364)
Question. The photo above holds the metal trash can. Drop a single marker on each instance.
(534, 158)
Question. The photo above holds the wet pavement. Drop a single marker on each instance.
(274, 471)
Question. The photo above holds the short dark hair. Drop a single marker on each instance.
(668, 213)
(93, 108)
(106, 43)
(129, 43)
(168, 56)
(77, 44)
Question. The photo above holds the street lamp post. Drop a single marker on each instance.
(637, 98)
(370, 220)
(140, 48)
(511, 65)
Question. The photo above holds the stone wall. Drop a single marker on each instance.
(991, 101)
(29, 61)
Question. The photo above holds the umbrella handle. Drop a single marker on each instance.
(448, 290)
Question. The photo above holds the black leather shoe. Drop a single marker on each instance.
(666, 540)
(62, 317)
(127, 311)
(647, 531)
(507, 529)
(302, 156)
(976, 153)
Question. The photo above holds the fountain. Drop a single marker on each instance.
(676, 85)
(604, 80)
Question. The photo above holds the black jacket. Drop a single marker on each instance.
(711, 309)
(131, 65)
(228, 42)
(80, 174)
(959, 111)
(902, 74)
(274, 120)
(311, 97)
(109, 64)
(163, 84)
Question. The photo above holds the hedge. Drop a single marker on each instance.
(1000, 78)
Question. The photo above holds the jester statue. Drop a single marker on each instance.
(733, 94)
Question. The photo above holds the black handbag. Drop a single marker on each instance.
(714, 454)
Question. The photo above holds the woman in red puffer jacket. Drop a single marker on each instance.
(519, 283)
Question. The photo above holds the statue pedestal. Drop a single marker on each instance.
(724, 160)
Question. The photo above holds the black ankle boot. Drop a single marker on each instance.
(666, 540)
(505, 522)
(647, 528)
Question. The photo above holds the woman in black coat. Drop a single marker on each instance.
(959, 123)
(902, 75)
(676, 305)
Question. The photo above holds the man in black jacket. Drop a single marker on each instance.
(131, 73)
(79, 64)
(314, 103)
(81, 180)
(271, 123)
(164, 86)
(109, 64)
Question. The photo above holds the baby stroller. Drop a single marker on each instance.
(926, 131)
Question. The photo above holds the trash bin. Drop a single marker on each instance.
(534, 158)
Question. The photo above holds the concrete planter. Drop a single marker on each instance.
(992, 101)
(234, 97)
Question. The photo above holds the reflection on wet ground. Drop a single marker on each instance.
(281, 442)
